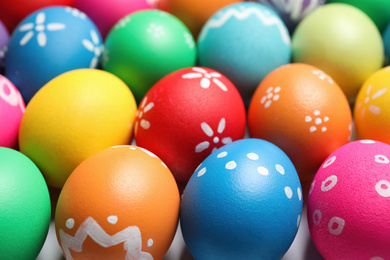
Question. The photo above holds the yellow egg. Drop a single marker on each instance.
(372, 110)
(73, 116)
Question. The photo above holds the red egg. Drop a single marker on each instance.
(187, 115)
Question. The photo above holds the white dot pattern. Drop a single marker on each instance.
(299, 193)
(231, 165)
(288, 192)
(317, 216)
(381, 159)
(384, 192)
(112, 219)
(202, 171)
(329, 161)
(222, 154)
(262, 170)
(340, 223)
(69, 223)
(279, 168)
(150, 242)
(329, 183)
(252, 156)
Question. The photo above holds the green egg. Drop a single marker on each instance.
(24, 207)
(145, 46)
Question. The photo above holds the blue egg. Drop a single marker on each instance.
(386, 43)
(49, 42)
(243, 202)
(244, 41)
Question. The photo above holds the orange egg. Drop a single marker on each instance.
(193, 13)
(120, 203)
(303, 111)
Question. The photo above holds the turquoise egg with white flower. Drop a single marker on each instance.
(244, 201)
(244, 41)
(49, 42)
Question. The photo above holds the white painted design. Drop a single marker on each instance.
(69, 223)
(336, 230)
(189, 40)
(280, 169)
(381, 159)
(367, 104)
(288, 192)
(95, 47)
(39, 27)
(322, 76)
(272, 94)
(150, 242)
(215, 139)
(143, 109)
(10, 95)
(317, 216)
(329, 161)
(317, 121)
(253, 156)
(242, 14)
(130, 236)
(122, 22)
(329, 183)
(202, 171)
(75, 12)
(156, 30)
(299, 193)
(112, 219)
(295, 9)
(231, 165)
(312, 186)
(383, 188)
(298, 220)
(367, 141)
(206, 78)
(222, 154)
(262, 170)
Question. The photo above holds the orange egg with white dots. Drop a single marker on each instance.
(119, 203)
(303, 111)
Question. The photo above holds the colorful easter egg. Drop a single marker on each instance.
(193, 13)
(303, 111)
(187, 115)
(12, 12)
(243, 202)
(125, 200)
(25, 207)
(371, 110)
(244, 41)
(49, 42)
(11, 111)
(386, 43)
(145, 46)
(73, 116)
(4, 38)
(377, 10)
(292, 11)
(106, 14)
(343, 42)
(348, 203)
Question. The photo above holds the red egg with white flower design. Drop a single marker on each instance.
(187, 115)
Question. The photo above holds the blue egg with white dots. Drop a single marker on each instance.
(244, 41)
(49, 42)
(243, 202)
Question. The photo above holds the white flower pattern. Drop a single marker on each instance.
(75, 12)
(317, 121)
(322, 76)
(144, 108)
(206, 78)
(94, 46)
(271, 95)
(210, 133)
(365, 105)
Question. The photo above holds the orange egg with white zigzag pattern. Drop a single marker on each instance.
(120, 203)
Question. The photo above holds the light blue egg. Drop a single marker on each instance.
(244, 41)
(49, 42)
(243, 202)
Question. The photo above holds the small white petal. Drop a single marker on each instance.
(145, 124)
(197, 69)
(317, 112)
(202, 146)
(222, 154)
(279, 168)
(308, 119)
(148, 107)
(227, 140)
(192, 76)
(88, 45)
(26, 38)
(288, 192)
(205, 83)
(207, 129)
(379, 93)
(26, 27)
(220, 84)
(221, 125)
(374, 109)
(94, 37)
(313, 129)
(40, 19)
(112, 219)
(202, 171)
(94, 63)
(42, 39)
(55, 26)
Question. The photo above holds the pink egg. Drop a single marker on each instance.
(11, 111)
(106, 14)
(349, 203)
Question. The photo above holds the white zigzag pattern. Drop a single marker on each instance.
(244, 14)
(131, 236)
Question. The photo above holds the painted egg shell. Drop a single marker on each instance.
(372, 111)
(292, 11)
(348, 206)
(386, 43)
(120, 203)
(106, 14)
(187, 115)
(73, 116)
(145, 46)
(4, 38)
(49, 42)
(25, 207)
(377, 10)
(243, 202)
(303, 111)
(12, 12)
(193, 13)
(244, 41)
(11, 111)
(348, 47)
